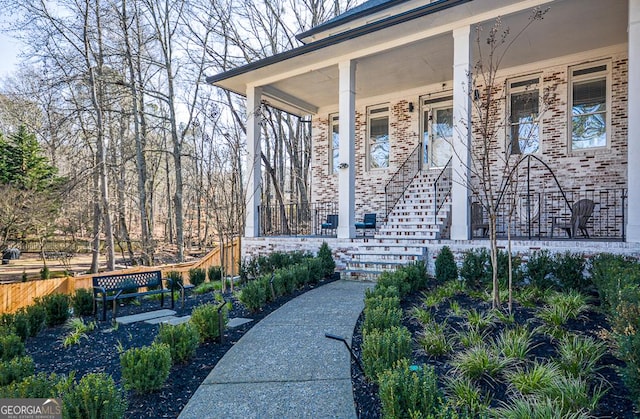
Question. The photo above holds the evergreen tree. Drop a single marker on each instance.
(22, 164)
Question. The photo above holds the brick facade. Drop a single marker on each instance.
(575, 170)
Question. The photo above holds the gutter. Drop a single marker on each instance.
(404, 17)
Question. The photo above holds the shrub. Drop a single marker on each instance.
(326, 259)
(569, 271)
(503, 268)
(45, 273)
(37, 318)
(476, 268)
(19, 324)
(11, 346)
(94, 396)
(540, 268)
(382, 291)
(182, 339)
(214, 273)
(15, 369)
(174, 278)
(253, 294)
(36, 386)
(374, 300)
(56, 307)
(207, 287)
(382, 348)
(197, 276)
(416, 274)
(446, 267)
(398, 279)
(145, 369)
(206, 320)
(381, 318)
(316, 270)
(406, 392)
(82, 302)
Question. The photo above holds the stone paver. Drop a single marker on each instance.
(284, 367)
(172, 320)
(145, 316)
(237, 322)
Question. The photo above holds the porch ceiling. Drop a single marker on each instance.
(571, 26)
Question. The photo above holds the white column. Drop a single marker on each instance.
(254, 162)
(633, 120)
(460, 164)
(347, 175)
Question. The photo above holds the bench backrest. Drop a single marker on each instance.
(370, 220)
(128, 281)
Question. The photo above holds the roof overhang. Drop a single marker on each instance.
(418, 51)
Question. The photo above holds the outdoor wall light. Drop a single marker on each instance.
(343, 165)
(476, 94)
(411, 107)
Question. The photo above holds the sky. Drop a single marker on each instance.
(9, 49)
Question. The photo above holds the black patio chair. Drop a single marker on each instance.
(368, 223)
(330, 224)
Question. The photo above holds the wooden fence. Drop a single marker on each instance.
(21, 294)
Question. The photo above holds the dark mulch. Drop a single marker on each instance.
(615, 404)
(99, 352)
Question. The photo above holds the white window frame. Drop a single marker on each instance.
(595, 75)
(523, 84)
(375, 112)
(333, 162)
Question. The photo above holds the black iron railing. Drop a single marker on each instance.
(402, 178)
(531, 216)
(442, 188)
(295, 219)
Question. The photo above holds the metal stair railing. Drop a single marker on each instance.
(394, 189)
(441, 189)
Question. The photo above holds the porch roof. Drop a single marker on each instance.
(415, 48)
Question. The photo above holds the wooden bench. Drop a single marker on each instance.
(111, 288)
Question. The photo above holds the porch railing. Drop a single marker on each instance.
(441, 188)
(295, 219)
(402, 178)
(530, 216)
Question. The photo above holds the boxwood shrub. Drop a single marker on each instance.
(146, 369)
(205, 318)
(94, 396)
(182, 339)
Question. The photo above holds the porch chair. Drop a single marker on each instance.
(330, 224)
(477, 219)
(369, 222)
(580, 213)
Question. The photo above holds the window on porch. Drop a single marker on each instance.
(589, 104)
(378, 137)
(524, 111)
(334, 143)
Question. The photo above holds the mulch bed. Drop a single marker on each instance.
(99, 352)
(615, 403)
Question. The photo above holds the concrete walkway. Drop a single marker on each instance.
(284, 367)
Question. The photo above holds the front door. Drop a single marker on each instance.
(437, 132)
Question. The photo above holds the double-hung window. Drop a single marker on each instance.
(334, 143)
(378, 137)
(524, 112)
(589, 105)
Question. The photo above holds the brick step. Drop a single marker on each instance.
(381, 258)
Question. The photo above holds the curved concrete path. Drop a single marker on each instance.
(284, 367)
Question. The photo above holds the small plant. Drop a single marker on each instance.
(479, 362)
(572, 394)
(514, 343)
(465, 395)
(534, 379)
(197, 276)
(578, 356)
(375, 300)
(522, 407)
(11, 346)
(18, 323)
(407, 392)
(183, 340)
(207, 321)
(421, 315)
(94, 396)
(15, 369)
(382, 348)
(446, 268)
(38, 386)
(37, 318)
(455, 308)
(326, 258)
(78, 330)
(45, 273)
(471, 337)
(174, 278)
(434, 339)
(56, 307)
(82, 302)
(530, 296)
(398, 279)
(479, 320)
(145, 369)
(214, 273)
(207, 287)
